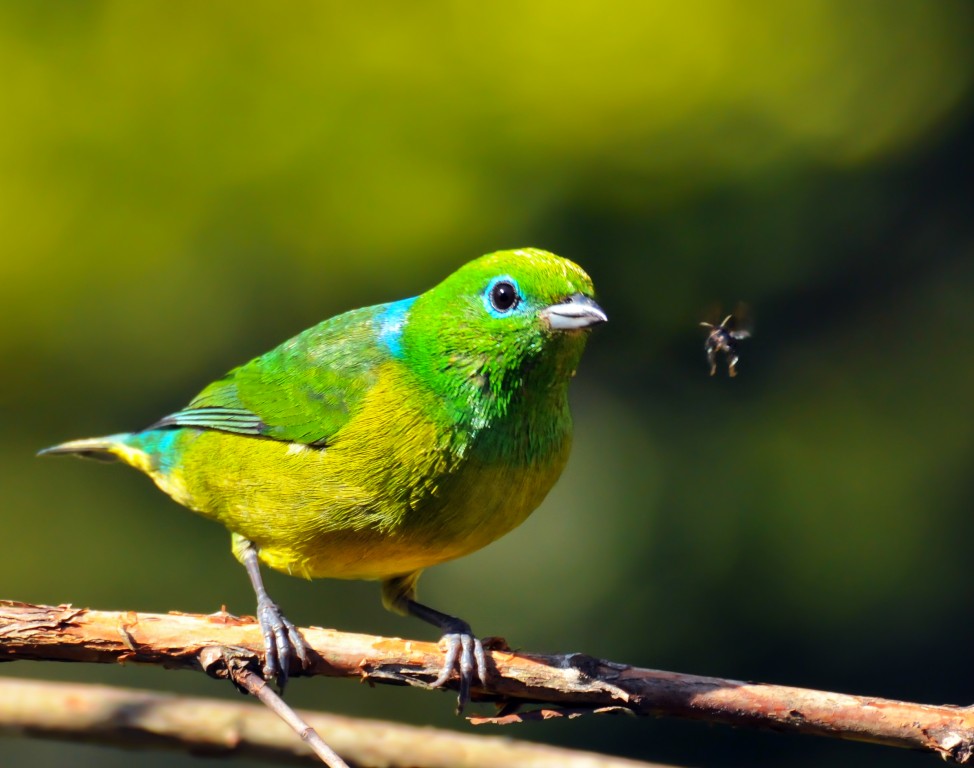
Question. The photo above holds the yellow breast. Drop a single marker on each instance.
(392, 493)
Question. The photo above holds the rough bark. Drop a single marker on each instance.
(559, 685)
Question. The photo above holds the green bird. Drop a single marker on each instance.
(384, 440)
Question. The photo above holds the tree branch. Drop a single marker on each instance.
(249, 681)
(98, 714)
(573, 683)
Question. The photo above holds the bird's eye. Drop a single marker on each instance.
(503, 296)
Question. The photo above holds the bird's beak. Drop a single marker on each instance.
(577, 311)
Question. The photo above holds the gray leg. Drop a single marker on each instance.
(464, 651)
(281, 637)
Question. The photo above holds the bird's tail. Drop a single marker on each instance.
(108, 448)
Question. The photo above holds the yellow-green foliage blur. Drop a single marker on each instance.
(184, 185)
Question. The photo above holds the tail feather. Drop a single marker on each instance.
(107, 448)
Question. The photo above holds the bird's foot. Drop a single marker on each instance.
(464, 655)
(281, 640)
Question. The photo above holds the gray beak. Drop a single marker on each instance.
(577, 311)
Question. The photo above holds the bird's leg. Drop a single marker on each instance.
(464, 651)
(281, 637)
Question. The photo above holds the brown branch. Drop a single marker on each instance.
(97, 714)
(572, 682)
(238, 670)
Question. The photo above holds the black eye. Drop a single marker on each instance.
(503, 296)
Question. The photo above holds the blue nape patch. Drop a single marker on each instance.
(390, 324)
(158, 443)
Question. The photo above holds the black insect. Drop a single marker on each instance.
(723, 338)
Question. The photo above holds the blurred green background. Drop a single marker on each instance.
(185, 185)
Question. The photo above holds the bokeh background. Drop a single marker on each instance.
(184, 185)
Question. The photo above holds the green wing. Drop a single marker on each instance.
(303, 391)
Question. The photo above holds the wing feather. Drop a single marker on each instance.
(304, 390)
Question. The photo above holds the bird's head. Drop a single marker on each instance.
(502, 320)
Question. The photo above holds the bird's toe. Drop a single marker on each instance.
(466, 657)
(282, 640)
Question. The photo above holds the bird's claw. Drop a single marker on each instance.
(465, 655)
(281, 640)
